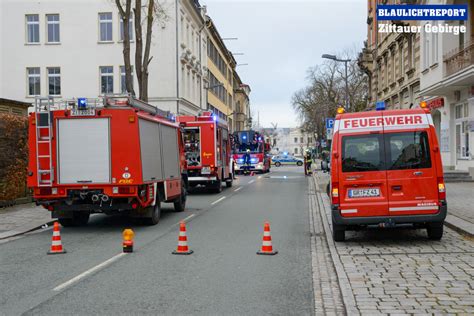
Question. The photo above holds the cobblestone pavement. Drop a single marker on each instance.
(22, 218)
(461, 200)
(403, 272)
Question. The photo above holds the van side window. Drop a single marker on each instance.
(408, 150)
(362, 153)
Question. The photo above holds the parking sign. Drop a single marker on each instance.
(329, 122)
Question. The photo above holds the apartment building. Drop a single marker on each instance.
(447, 85)
(241, 115)
(221, 64)
(73, 48)
(391, 61)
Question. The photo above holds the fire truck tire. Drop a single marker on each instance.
(217, 187)
(155, 215)
(78, 219)
(229, 182)
(435, 231)
(180, 203)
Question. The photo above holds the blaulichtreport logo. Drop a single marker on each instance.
(426, 12)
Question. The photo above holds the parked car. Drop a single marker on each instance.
(279, 160)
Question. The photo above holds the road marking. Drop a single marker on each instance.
(215, 202)
(238, 189)
(89, 272)
(251, 181)
(188, 218)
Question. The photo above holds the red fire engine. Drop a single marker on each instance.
(207, 149)
(253, 143)
(123, 156)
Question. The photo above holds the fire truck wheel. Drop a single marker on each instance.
(180, 203)
(78, 219)
(155, 215)
(217, 187)
(229, 182)
(435, 231)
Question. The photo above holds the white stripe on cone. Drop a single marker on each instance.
(182, 243)
(267, 243)
(56, 243)
(55, 233)
(182, 233)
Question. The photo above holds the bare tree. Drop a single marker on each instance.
(325, 92)
(153, 11)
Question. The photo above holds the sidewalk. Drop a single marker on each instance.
(19, 219)
(461, 207)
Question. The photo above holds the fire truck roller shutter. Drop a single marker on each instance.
(169, 143)
(150, 150)
(83, 150)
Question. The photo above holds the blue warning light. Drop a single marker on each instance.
(82, 103)
(380, 105)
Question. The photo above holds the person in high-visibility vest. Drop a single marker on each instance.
(308, 161)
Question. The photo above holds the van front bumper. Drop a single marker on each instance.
(391, 220)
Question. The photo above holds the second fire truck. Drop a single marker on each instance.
(252, 143)
(208, 151)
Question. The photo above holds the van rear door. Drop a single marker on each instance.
(362, 175)
(411, 174)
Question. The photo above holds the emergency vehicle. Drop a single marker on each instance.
(252, 142)
(207, 149)
(115, 156)
(386, 171)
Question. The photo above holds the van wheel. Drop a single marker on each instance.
(338, 232)
(155, 215)
(180, 203)
(435, 231)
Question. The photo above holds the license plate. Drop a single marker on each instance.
(206, 170)
(358, 193)
(82, 112)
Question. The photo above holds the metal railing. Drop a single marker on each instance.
(459, 58)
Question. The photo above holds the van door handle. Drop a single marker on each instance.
(397, 187)
(417, 173)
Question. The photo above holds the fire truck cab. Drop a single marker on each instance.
(115, 156)
(207, 147)
(386, 171)
(253, 143)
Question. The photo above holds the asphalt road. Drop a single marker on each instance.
(223, 276)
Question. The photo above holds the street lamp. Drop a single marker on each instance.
(345, 61)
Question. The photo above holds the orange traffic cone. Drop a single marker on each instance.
(267, 248)
(252, 173)
(56, 245)
(183, 248)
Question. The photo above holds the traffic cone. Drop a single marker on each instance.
(183, 248)
(56, 245)
(267, 248)
(252, 173)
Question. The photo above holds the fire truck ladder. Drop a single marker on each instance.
(111, 100)
(44, 130)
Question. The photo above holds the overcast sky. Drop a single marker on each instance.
(281, 39)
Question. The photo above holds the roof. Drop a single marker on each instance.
(25, 105)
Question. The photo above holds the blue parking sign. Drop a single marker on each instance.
(329, 122)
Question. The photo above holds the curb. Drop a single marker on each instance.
(460, 225)
(24, 230)
(344, 284)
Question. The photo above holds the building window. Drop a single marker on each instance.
(32, 28)
(123, 82)
(426, 51)
(107, 79)
(435, 47)
(310, 140)
(54, 81)
(34, 81)
(105, 27)
(296, 151)
(130, 28)
(401, 59)
(296, 140)
(52, 21)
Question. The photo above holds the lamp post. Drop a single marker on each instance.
(345, 61)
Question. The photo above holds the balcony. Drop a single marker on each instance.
(459, 59)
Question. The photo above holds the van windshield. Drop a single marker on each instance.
(407, 150)
(362, 153)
